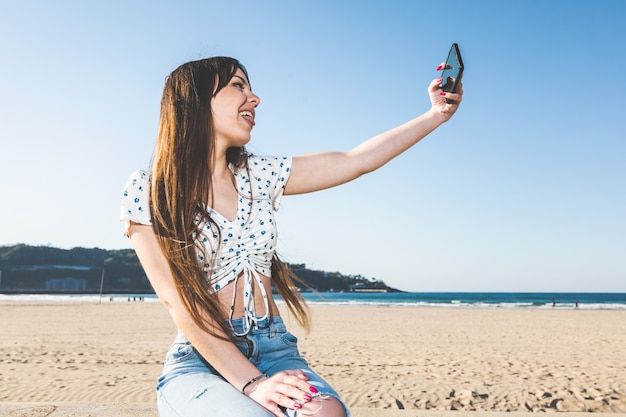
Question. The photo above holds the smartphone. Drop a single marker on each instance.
(452, 70)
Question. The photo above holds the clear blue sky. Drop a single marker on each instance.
(524, 190)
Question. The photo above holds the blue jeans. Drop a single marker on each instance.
(190, 387)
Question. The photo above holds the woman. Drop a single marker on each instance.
(202, 224)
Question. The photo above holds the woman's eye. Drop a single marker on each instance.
(238, 85)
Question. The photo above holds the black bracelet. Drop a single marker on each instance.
(253, 380)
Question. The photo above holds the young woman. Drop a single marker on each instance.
(202, 224)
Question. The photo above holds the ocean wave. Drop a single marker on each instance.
(415, 300)
(77, 298)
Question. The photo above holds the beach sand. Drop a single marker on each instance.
(407, 358)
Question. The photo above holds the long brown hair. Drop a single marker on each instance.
(181, 186)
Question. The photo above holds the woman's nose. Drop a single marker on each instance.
(254, 99)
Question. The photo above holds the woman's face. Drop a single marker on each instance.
(233, 111)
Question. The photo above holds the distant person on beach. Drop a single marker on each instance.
(202, 224)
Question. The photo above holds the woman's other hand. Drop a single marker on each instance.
(287, 389)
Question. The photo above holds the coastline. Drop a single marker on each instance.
(378, 358)
(455, 300)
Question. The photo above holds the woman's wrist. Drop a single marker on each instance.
(252, 381)
(437, 117)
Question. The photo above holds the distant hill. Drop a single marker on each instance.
(46, 269)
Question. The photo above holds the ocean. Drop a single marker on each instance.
(589, 301)
(495, 300)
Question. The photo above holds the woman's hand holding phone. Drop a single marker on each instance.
(446, 92)
(444, 103)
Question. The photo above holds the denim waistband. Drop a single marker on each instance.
(264, 323)
(238, 325)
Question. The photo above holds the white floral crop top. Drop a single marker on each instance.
(248, 242)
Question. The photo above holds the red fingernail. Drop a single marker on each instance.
(439, 68)
(297, 406)
(313, 390)
(439, 80)
(307, 397)
(442, 94)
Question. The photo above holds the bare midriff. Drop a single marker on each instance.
(225, 296)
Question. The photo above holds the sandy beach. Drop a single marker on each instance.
(499, 360)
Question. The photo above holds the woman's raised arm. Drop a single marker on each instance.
(319, 171)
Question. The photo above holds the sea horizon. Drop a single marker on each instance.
(491, 300)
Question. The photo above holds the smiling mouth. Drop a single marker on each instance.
(248, 115)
